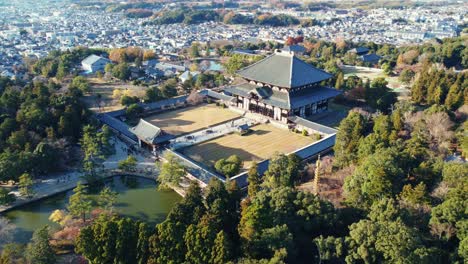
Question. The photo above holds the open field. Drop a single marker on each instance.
(260, 144)
(189, 119)
(101, 93)
(372, 73)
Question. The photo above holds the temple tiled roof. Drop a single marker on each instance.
(282, 99)
(311, 95)
(283, 69)
(146, 131)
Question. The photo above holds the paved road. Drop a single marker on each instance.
(58, 183)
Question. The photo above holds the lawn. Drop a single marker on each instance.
(193, 118)
(259, 144)
(372, 73)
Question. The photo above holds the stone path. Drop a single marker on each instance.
(57, 183)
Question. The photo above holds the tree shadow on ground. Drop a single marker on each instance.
(212, 152)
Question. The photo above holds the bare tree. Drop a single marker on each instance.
(411, 119)
(439, 126)
(194, 98)
(6, 230)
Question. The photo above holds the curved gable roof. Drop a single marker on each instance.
(283, 69)
(146, 131)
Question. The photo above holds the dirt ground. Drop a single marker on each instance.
(259, 144)
(191, 118)
(330, 183)
(104, 89)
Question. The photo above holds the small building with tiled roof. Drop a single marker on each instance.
(94, 63)
(282, 85)
(359, 50)
(148, 134)
(297, 49)
(371, 58)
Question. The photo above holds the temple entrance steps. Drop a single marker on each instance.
(257, 117)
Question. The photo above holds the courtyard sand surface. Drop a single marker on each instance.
(260, 144)
(192, 118)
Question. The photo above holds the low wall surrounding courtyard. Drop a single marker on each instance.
(306, 153)
(200, 171)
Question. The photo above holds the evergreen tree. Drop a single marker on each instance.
(25, 185)
(254, 180)
(39, 250)
(349, 133)
(171, 172)
(142, 247)
(79, 203)
(107, 199)
(339, 83)
(222, 251)
(380, 175)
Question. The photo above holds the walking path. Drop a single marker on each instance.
(209, 133)
(65, 181)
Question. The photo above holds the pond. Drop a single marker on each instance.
(137, 198)
(210, 65)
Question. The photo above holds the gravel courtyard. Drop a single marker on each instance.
(192, 118)
(259, 144)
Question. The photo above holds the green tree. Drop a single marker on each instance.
(128, 164)
(349, 133)
(133, 111)
(12, 253)
(331, 249)
(108, 68)
(387, 68)
(383, 238)
(6, 197)
(253, 178)
(46, 156)
(171, 172)
(129, 100)
(230, 166)
(121, 71)
(379, 96)
(81, 84)
(339, 83)
(195, 50)
(142, 244)
(107, 199)
(222, 251)
(447, 216)
(406, 76)
(383, 128)
(113, 240)
(25, 185)
(414, 196)
(282, 171)
(169, 88)
(199, 240)
(79, 204)
(39, 250)
(455, 96)
(153, 94)
(167, 244)
(454, 173)
(93, 145)
(380, 175)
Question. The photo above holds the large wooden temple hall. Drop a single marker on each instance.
(282, 85)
